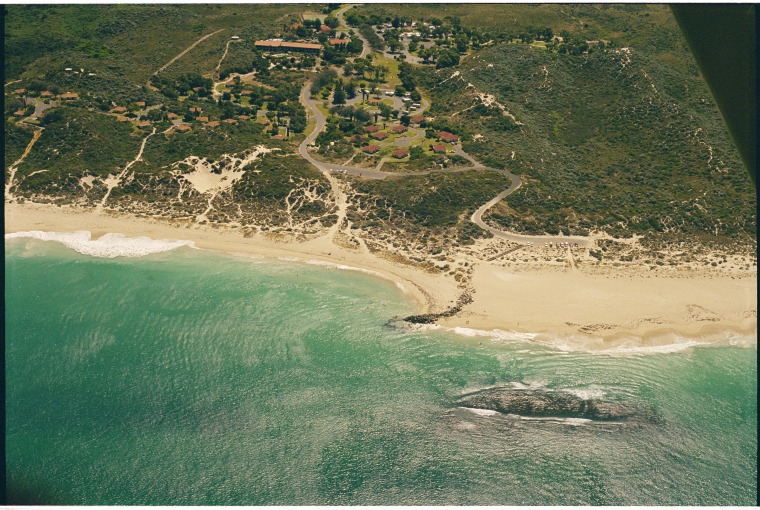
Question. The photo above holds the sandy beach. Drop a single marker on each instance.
(594, 309)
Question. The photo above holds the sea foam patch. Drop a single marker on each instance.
(671, 343)
(344, 267)
(108, 246)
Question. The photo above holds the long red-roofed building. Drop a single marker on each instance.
(272, 45)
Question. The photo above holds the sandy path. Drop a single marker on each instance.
(224, 55)
(14, 166)
(196, 43)
(113, 182)
(341, 199)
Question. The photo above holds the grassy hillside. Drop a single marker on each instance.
(131, 41)
(618, 139)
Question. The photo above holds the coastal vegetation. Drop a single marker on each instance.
(599, 111)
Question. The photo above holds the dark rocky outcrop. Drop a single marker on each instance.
(430, 318)
(553, 403)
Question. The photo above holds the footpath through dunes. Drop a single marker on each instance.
(375, 173)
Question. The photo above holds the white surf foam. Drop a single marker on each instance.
(595, 345)
(108, 246)
(344, 267)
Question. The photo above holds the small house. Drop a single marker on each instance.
(439, 149)
(448, 137)
(371, 149)
(400, 153)
(182, 128)
(379, 136)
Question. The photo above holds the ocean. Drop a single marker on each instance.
(168, 375)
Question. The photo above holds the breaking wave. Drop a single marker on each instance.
(344, 267)
(670, 343)
(108, 246)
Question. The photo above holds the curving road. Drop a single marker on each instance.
(329, 169)
(365, 46)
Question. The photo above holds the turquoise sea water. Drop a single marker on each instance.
(193, 378)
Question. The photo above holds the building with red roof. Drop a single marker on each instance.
(379, 136)
(400, 153)
(439, 149)
(448, 137)
(399, 129)
(272, 45)
(371, 149)
(371, 129)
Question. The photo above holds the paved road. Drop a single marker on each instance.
(365, 47)
(329, 169)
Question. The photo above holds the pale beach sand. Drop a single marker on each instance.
(597, 309)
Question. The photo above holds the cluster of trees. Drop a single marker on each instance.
(182, 85)
(574, 45)
(336, 55)
(322, 80)
(371, 36)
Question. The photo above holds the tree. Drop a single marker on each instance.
(447, 58)
(155, 115)
(399, 91)
(351, 90)
(339, 96)
(386, 111)
(355, 46)
(462, 43)
(332, 22)
(406, 75)
(416, 96)
(405, 120)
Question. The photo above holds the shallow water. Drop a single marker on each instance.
(186, 377)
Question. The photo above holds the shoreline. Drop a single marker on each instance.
(599, 310)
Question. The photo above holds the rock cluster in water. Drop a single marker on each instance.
(430, 318)
(547, 403)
